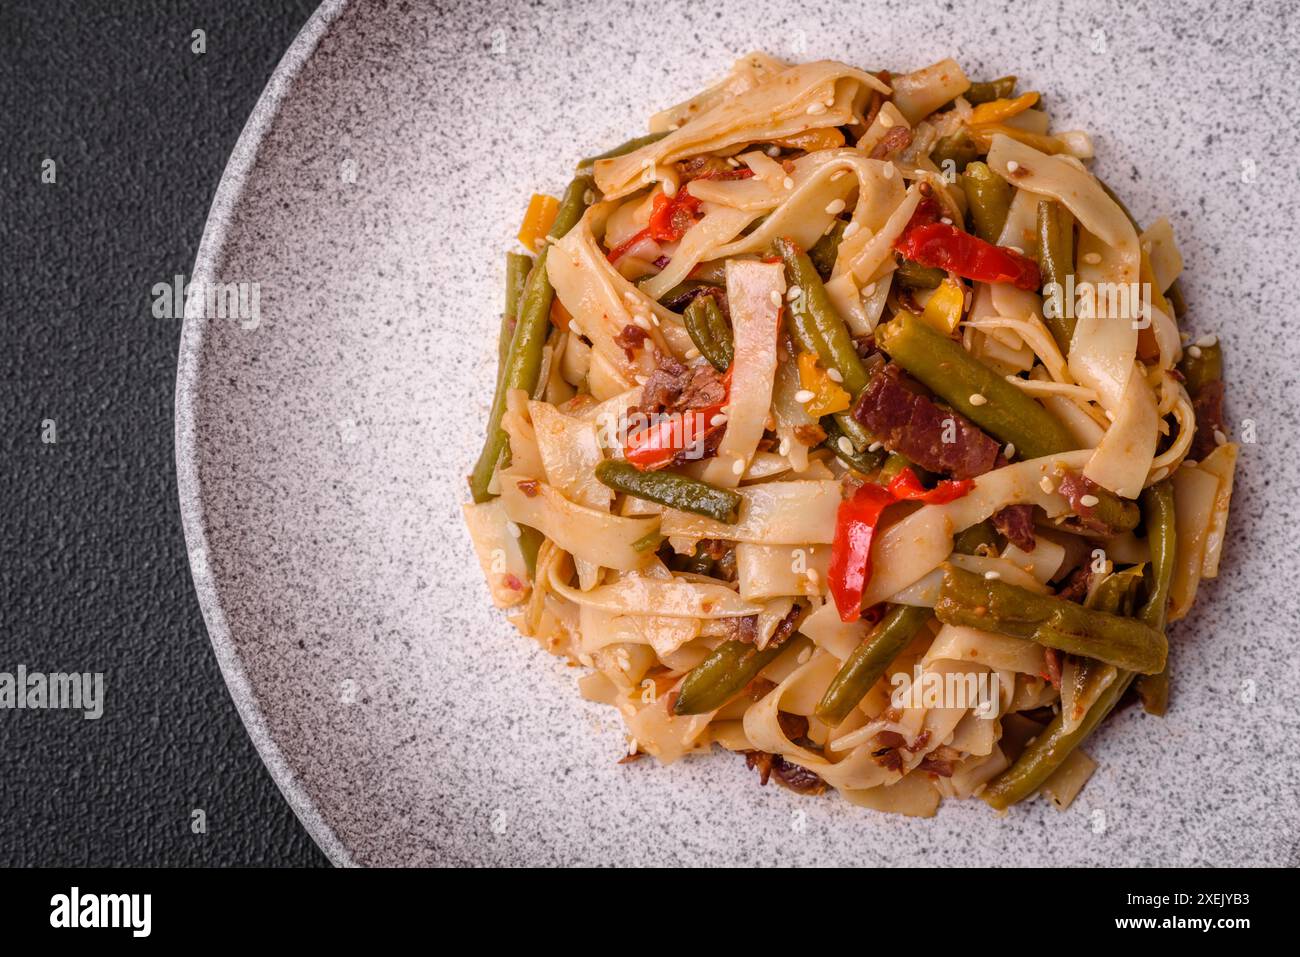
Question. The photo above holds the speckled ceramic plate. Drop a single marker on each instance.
(322, 443)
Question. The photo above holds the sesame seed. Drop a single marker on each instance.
(691, 353)
(837, 174)
(717, 420)
(845, 445)
(1208, 342)
(670, 188)
(888, 172)
(816, 108)
(738, 467)
(1194, 351)
(885, 121)
(788, 183)
(793, 293)
(1110, 416)
(804, 656)
(588, 197)
(946, 220)
(1092, 258)
(1046, 485)
(992, 576)
(641, 379)
(804, 396)
(784, 447)
(1190, 463)
(875, 446)
(834, 375)
(1219, 437)
(977, 399)
(513, 529)
(850, 230)
(773, 151)
(775, 297)
(1017, 250)
(812, 575)
(642, 321)
(733, 162)
(835, 207)
(1010, 450)
(869, 289)
(1088, 501)
(1012, 166)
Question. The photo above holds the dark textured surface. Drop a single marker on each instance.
(93, 575)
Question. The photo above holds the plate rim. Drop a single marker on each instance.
(193, 338)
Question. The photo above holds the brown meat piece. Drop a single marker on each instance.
(896, 138)
(1016, 524)
(794, 777)
(630, 339)
(1074, 486)
(1075, 588)
(673, 387)
(1208, 406)
(915, 426)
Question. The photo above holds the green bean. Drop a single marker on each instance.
(1175, 296)
(1056, 257)
(530, 540)
(672, 490)
(825, 251)
(915, 276)
(1051, 747)
(813, 308)
(724, 674)
(684, 290)
(1202, 369)
(972, 601)
(894, 463)
(709, 331)
(989, 198)
(648, 542)
(864, 461)
(698, 563)
(622, 149)
(954, 375)
(989, 90)
(959, 148)
(523, 363)
(969, 541)
(1162, 540)
(863, 668)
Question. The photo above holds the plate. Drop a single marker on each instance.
(323, 432)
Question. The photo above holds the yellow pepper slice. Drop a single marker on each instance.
(538, 220)
(944, 307)
(1044, 143)
(828, 397)
(995, 111)
(826, 138)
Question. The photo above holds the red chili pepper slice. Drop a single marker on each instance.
(618, 251)
(672, 215)
(906, 487)
(933, 243)
(656, 446)
(850, 566)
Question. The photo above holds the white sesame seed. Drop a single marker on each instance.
(869, 289)
(885, 121)
(1194, 351)
(946, 220)
(1088, 501)
(888, 171)
(1190, 463)
(804, 396)
(1017, 250)
(691, 353)
(513, 529)
(1046, 485)
(837, 174)
(1092, 258)
(816, 108)
(1219, 437)
(738, 467)
(775, 297)
(641, 379)
(1110, 416)
(670, 188)
(845, 445)
(977, 399)
(642, 321)
(875, 446)
(1208, 342)
(773, 151)
(1010, 450)
(793, 293)
(812, 576)
(718, 420)
(733, 162)
(632, 746)
(835, 207)
(1012, 166)
(575, 328)
(788, 183)
(784, 448)
(588, 197)
(851, 230)
(992, 576)
(804, 656)
(834, 375)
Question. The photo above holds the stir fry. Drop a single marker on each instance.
(846, 421)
